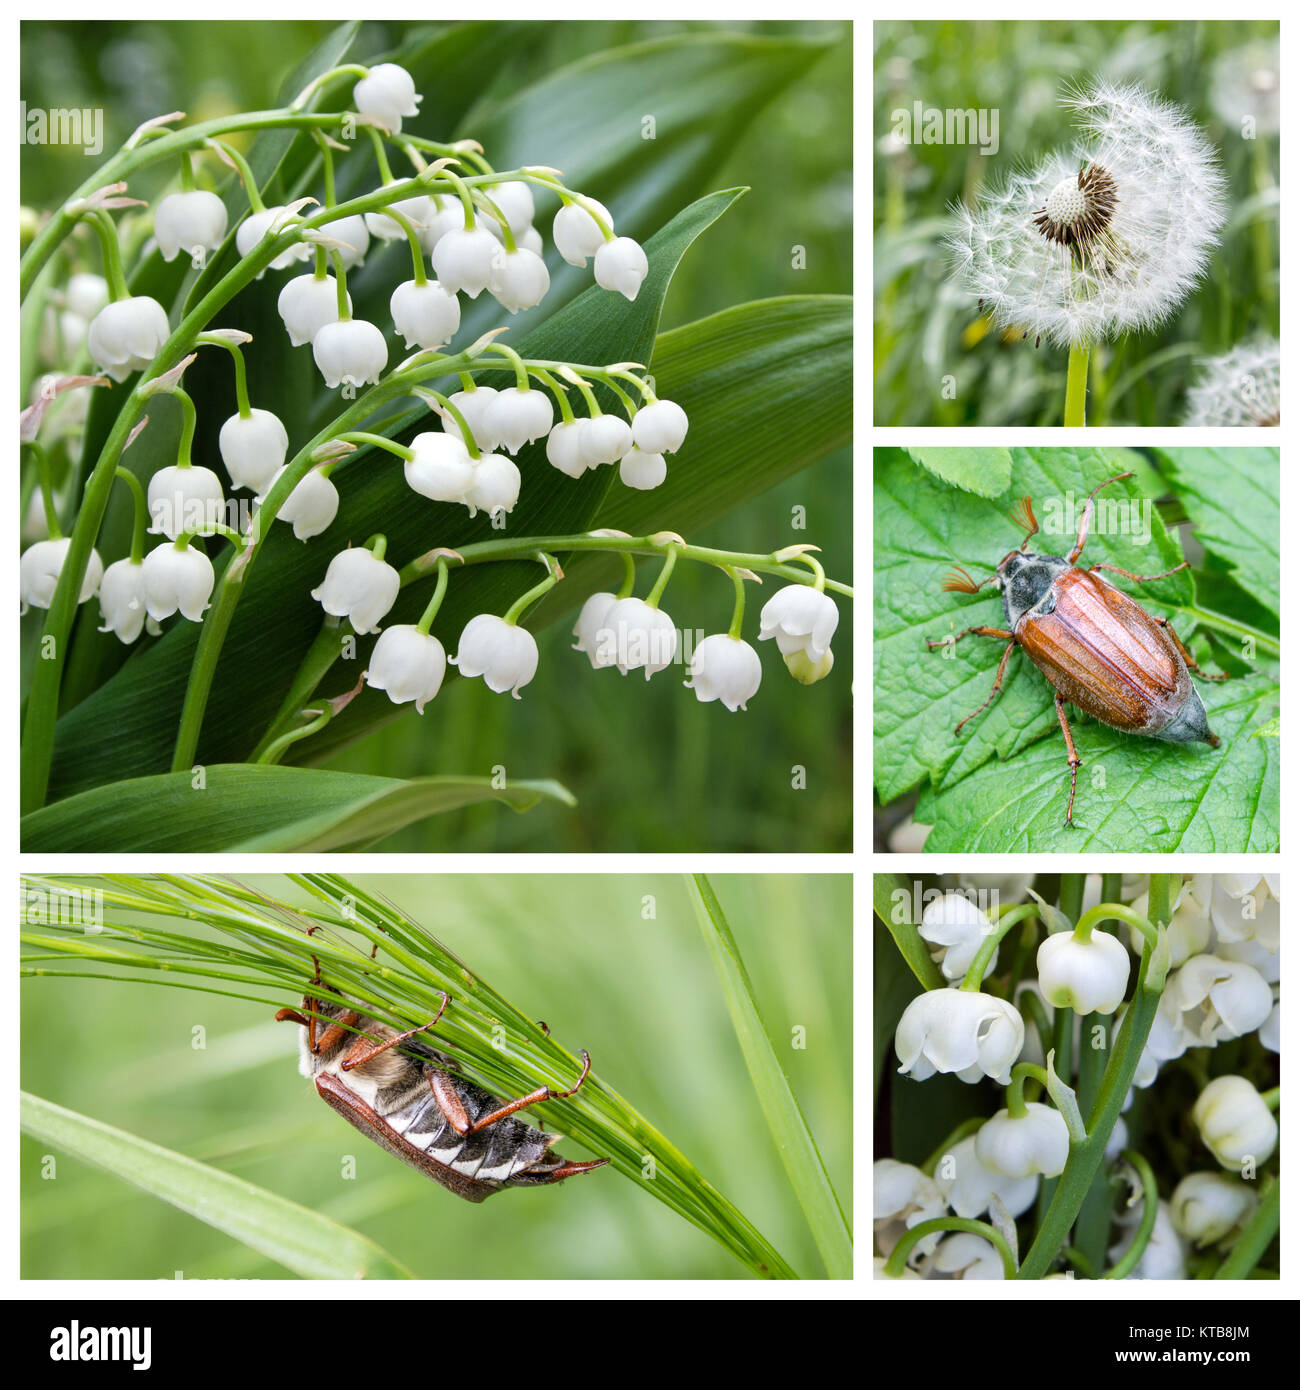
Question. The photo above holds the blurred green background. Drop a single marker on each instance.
(699, 784)
(641, 994)
(927, 327)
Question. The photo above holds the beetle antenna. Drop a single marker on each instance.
(957, 581)
(1023, 516)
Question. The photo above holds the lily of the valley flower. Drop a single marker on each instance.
(122, 600)
(642, 471)
(494, 488)
(310, 508)
(566, 447)
(1235, 1122)
(418, 210)
(504, 654)
(964, 1255)
(127, 335)
(725, 668)
(575, 231)
(360, 587)
(592, 631)
(463, 260)
(475, 406)
(807, 671)
(177, 578)
(441, 468)
(427, 315)
(407, 665)
(956, 1030)
(40, 567)
(802, 619)
(193, 222)
(1207, 1207)
(350, 352)
(514, 200)
(353, 236)
(621, 265)
(519, 279)
(642, 637)
(270, 222)
(387, 93)
(307, 304)
(185, 499)
(969, 1187)
(516, 417)
(253, 447)
(1163, 1256)
(607, 439)
(1086, 976)
(1018, 1146)
(660, 428)
(956, 929)
(902, 1197)
(1217, 999)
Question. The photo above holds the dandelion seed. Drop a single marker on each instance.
(1243, 387)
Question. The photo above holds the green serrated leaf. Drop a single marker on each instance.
(985, 472)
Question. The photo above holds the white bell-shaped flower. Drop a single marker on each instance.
(902, 1197)
(85, 294)
(495, 487)
(407, 665)
(307, 304)
(1208, 1207)
(1018, 1146)
(956, 1030)
(1235, 1122)
(441, 468)
(642, 471)
(608, 439)
(1270, 1031)
(1244, 908)
(1086, 976)
(1218, 999)
(621, 265)
(1163, 1256)
(360, 587)
(516, 417)
(592, 631)
(185, 499)
(660, 428)
(968, 1186)
(177, 579)
(122, 599)
(354, 235)
(503, 654)
(350, 352)
(1187, 934)
(964, 1255)
(127, 335)
(463, 259)
(566, 447)
(474, 406)
(514, 200)
(253, 449)
(40, 567)
(420, 211)
(530, 239)
(448, 215)
(725, 668)
(519, 279)
(955, 930)
(387, 93)
(427, 315)
(193, 222)
(310, 508)
(271, 222)
(1266, 964)
(801, 619)
(575, 231)
(1166, 1040)
(643, 638)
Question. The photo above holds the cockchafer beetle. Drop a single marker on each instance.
(1101, 650)
(405, 1096)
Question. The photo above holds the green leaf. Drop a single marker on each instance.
(892, 898)
(1233, 497)
(302, 1241)
(261, 808)
(985, 472)
(790, 1132)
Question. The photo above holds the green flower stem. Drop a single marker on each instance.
(274, 751)
(53, 530)
(189, 423)
(974, 979)
(517, 362)
(106, 230)
(738, 611)
(962, 1131)
(560, 394)
(324, 651)
(819, 574)
(1085, 1158)
(1015, 1093)
(553, 577)
(241, 371)
(377, 545)
(141, 514)
(381, 154)
(897, 1260)
(378, 441)
(1128, 1262)
(629, 576)
(1076, 385)
(660, 584)
(435, 603)
(1032, 1005)
(413, 240)
(1256, 1236)
(187, 173)
(251, 191)
(341, 287)
(567, 195)
(466, 434)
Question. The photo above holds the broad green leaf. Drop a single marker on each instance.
(259, 808)
(983, 471)
(1233, 497)
(303, 1241)
(892, 899)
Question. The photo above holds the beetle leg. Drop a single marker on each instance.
(533, 1098)
(1088, 508)
(364, 1048)
(1141, 578)
(997, 681)
(1074, 759)
(976, 631)
(1187, 656)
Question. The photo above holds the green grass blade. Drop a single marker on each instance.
(302, 1241)
(794, 1140)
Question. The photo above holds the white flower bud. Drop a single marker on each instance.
(637, 636)
(1218, 999)
(253, 449)
(641, 471)
(355, 236)
(271, 222)
(660, 428)
(387, 93)
(40, 567)
(725, 668)
(519, 279)
(350, 352)
(957, 1030)
(177, 579)
(590, 625)
(1086, 976)
(360, 587)
(965, 1255)
(608, 438)
(1163, 1256)
(902, 1197)
(307, 304)
(448, 215)
(122, 600)
(1207, 1207)
(956, 929)
(193, 222)
(310, 508)
(442, 469)
(621, 265)
(127, 335)
(1235, 1123)
(185, 499)
(407, 664)
(575, 231)
(807, 671)
(516, 417)
(474, 406)
(427, 316)
(969, 1187)
(85, 294)
(463, 259)
(566, 447)
(420, 211)
(1018, 1146)
(495, 487)
(801, 619)
(514, 200)
(503, 654)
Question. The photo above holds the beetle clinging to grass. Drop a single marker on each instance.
(1100, 649)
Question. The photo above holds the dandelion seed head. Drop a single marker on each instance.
(1242, 387)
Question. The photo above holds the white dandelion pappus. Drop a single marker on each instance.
(1105, 239)
(1242, 387)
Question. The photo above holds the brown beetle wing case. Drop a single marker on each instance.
(1106, 655)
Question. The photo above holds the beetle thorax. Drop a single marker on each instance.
(1026, 583)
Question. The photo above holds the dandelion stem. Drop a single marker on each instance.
(1076, 385)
